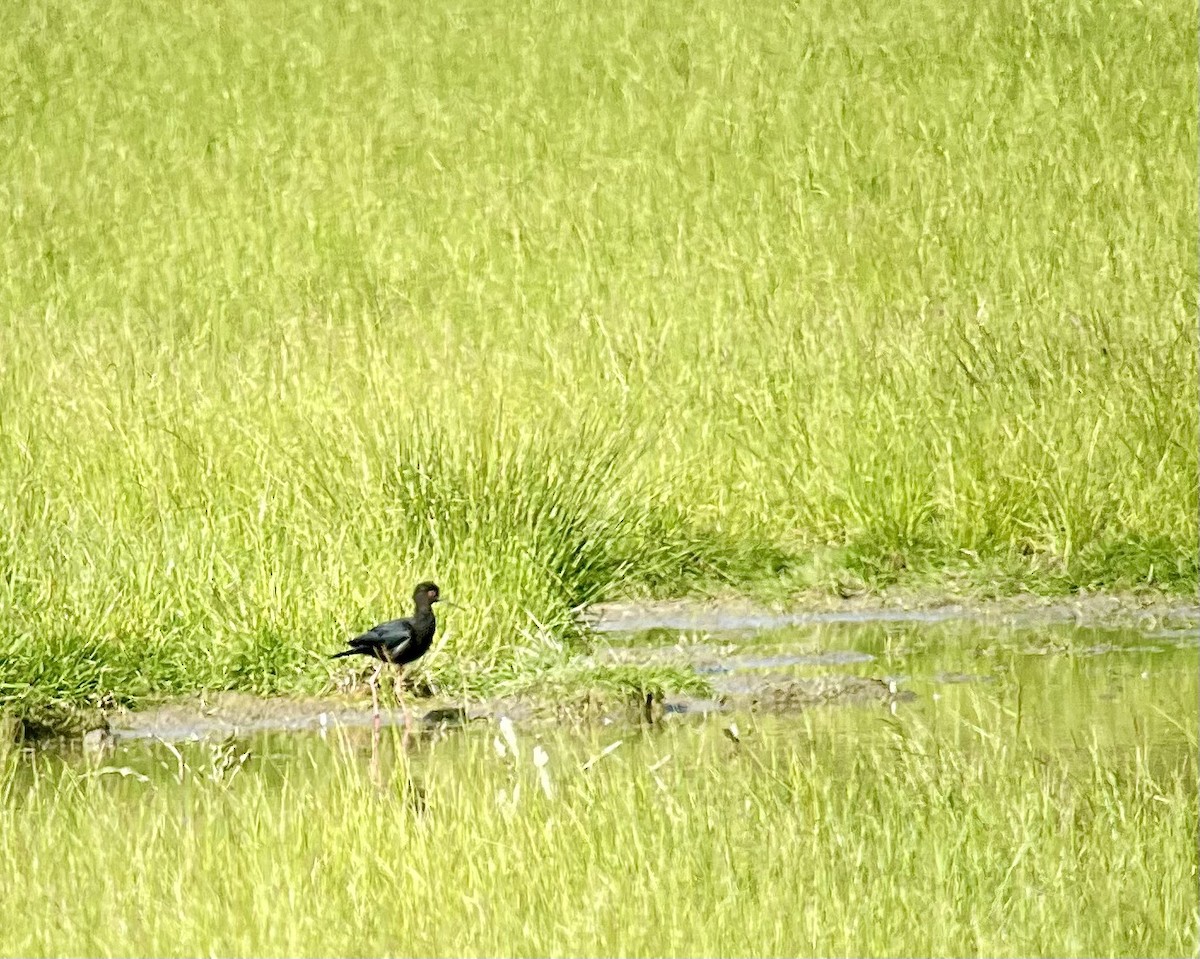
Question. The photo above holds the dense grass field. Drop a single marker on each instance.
(300, 303)
(961, 837)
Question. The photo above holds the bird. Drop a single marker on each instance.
(398, 641)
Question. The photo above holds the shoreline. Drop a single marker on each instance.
(230, 712)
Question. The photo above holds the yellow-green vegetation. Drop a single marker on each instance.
(963, 834)
(301, 302)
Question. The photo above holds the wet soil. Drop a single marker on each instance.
(1150, 612)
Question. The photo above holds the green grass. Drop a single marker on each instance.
(301, 303)
(953, 837)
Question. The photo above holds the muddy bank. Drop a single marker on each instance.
(239, 714)
(236, 714)
(1144, 612)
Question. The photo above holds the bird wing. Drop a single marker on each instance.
(393, 635)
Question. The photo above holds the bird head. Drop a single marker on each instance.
(426, 593)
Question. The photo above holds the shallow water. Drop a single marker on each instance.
(1062, 687)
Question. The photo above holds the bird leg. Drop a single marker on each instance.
(373, 682)
(397, 687)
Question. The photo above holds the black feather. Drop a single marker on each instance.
(400, 641)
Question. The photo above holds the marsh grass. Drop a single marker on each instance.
(302, 304)
(953, 838)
